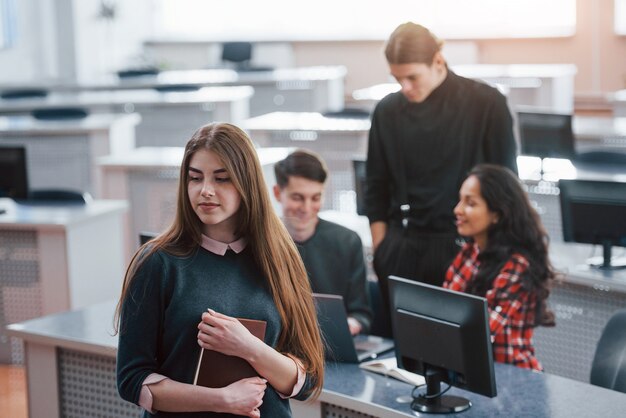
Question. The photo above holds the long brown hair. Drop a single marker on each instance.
(411, 43)
(518, 230)
(274, 251)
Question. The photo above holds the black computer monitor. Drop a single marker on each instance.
(239, 53)
(546, 135)
(13, 172)
(444, 336)
(360, 179)
(145, 236)
(594, 212)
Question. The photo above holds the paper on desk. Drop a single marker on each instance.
(389, 367)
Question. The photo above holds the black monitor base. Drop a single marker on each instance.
(446, 404)
(434, 401)
(606, 261)
(613, 264)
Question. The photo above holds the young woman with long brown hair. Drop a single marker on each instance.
(505, 260)
(227, 255)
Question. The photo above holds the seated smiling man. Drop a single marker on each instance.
(332, 254)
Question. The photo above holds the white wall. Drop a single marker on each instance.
(64, 40)
(104, 46)
(85, 47)
(33, 55)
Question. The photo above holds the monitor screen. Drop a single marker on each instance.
(13, 172)
(594, 212)
(237, 52)
(144, 237)
(360, 179)
(444, 336)
(546, 135)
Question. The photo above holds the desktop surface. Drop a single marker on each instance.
(18, 215)
(520, 392)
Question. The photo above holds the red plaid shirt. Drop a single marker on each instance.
(511, 306)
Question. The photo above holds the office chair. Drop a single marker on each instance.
(602, 157)
(138, 72)
(57, 196)
(25, 93)
(380, 319)
(609, 363)
(177, 88)
(348, 113)
(60, 113)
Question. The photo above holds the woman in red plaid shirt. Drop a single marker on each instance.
(505, 260)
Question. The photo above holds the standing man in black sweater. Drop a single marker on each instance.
(424, 139)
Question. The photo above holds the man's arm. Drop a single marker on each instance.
(500, 147)
(377, 190)
(378, 230)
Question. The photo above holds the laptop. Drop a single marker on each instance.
(339, 344)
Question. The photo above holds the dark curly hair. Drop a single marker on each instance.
(518, 230)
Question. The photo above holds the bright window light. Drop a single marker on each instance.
(283, 20)
(620, 17)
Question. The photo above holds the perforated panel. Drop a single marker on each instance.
(87, 387)
(334, 411)
(338, 150)
(166, 126)
(57, 162)
(152, 199)
(544, 196)
(20, 288)
(581, 314)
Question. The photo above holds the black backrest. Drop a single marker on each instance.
(609, 363)
(60, 113)
(57, 196)
(25, 93)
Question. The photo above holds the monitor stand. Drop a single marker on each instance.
(433, 401)
(606, 262)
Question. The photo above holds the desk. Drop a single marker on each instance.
(62, 154)
(167, 118)
(337, 140)
(148, 178)
(586, 298)
(56, 258)
(599, 132)
(304, 89)
(71, 372)
(549, 86)
(544, 193)
(618, 101)
(583, 302)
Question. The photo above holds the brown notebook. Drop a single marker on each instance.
(216, 370)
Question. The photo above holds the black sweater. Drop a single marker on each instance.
(460, 124)
(158, 331)
(334, 261)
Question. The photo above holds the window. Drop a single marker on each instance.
(620, 17)
(7, 23)
(288, 20)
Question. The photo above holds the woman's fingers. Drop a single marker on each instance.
(219, 315)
